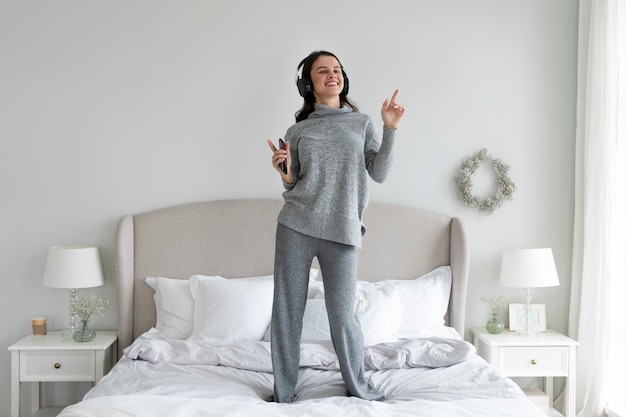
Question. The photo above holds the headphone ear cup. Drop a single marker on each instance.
(346, 84)
(305, 86)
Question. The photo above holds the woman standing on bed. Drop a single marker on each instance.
(329, 153)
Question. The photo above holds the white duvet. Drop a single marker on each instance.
(434, 376)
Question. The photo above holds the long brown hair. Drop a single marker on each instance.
(309, 99)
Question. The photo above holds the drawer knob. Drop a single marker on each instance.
(534, 361)
(57, 365)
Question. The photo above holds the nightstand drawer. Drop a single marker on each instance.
(58, 366)
(534, 361)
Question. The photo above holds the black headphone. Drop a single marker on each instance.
(305, 85)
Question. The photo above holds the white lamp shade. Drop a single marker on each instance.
(528, 268)
(73, 267)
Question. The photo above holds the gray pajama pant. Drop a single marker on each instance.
(338, 262)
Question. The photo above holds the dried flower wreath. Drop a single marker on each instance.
(505, 190)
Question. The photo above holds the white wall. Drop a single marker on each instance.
(114, 108)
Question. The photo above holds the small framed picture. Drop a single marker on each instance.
(517, 317)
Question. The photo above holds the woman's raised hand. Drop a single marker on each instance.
(392, 112)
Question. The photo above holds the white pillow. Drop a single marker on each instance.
(389, 310)
(314, 322)
(174, 306)
(316, 288)
(231, 310)
(424, 301)
(379, 309)
(403, 309)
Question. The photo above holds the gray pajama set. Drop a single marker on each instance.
(332, 153)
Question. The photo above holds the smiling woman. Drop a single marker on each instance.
(322, 218)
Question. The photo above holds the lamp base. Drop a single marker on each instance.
(69, 331)
(526, 332)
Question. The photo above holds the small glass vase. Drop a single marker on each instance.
(495, 325)
(84, 334)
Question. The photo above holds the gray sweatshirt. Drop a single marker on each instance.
(332, 151)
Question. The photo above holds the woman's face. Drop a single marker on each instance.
(327, 77)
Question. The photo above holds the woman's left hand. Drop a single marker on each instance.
(392, 112)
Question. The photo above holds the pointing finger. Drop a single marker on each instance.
(395, 94)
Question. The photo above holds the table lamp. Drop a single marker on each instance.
(73, 267)
(528, 268)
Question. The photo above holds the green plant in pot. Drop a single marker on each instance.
(87, 305)
(495, 325)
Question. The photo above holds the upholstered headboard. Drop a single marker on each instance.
(235, 238)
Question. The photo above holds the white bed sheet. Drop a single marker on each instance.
(421, 377)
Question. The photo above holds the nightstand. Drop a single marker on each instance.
(548, 355)
(54, 358)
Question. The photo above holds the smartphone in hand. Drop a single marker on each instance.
(283, 165)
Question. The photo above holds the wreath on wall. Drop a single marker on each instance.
(464, 184)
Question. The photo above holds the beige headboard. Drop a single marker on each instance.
(235, 238)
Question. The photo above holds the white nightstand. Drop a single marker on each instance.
(54, 358)
(548, 355)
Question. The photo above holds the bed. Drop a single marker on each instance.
(193, 285)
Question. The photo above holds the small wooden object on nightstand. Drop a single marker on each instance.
(548, 355)
(54, 358)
